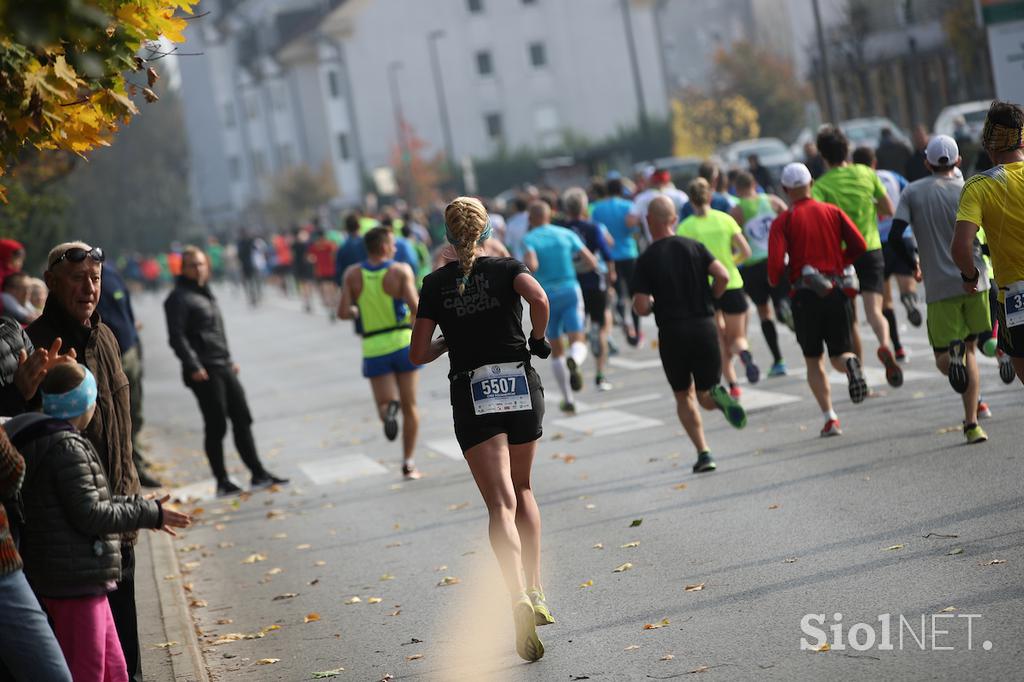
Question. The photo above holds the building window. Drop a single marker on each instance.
(229, 115)
(475, 6)
(332, 84)
(343, 150)
(538, 55)
(492, 122)
(234, 168)
(484, 65)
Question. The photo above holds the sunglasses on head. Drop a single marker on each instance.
(77, 254)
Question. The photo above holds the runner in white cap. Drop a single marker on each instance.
(821, 241)
(954, 318)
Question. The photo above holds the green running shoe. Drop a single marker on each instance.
(528, 644)
(730, 407)
(540, 607)
(705, 462)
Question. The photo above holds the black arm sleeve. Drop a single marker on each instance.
(897, 244)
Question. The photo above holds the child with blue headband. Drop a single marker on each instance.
(69, 542)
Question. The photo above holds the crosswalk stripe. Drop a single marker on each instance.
(754, 399)
(341, 468)
(606, 422)
(626, 363)
(449, 447)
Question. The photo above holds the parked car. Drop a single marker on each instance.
(973, 114)
(866, 132)
(772, 153)
(681, 168)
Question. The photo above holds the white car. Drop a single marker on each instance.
(771, 152)
(866, 132)
(973, 114)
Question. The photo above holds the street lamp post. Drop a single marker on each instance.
(627, 21)
(403, 147)
(442, 104)
(826, 74)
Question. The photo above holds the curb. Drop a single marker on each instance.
(188, 665)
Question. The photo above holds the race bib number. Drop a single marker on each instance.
(500, 388)
(1015, 304)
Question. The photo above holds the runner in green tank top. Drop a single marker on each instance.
(755, 213)
(381, 294)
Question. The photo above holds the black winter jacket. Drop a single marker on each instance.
(70, 544)
(12, 340)
(195, 327)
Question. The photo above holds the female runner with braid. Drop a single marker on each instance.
(496, 396)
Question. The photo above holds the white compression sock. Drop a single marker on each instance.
(562, 377)
(578, 351)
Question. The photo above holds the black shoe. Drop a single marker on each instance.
(858, 387)
(267, 479)
(147, 481)
(391, 420)
(575, 375)
(227, 488)
(704, 463)
(958, 366)
(909, 301)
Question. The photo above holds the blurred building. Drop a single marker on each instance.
(904, 60)
(325, 84)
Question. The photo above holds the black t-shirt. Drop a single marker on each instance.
(674, 271)
(485, 324)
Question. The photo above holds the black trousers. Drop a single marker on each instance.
(126, 620)
(220, 398)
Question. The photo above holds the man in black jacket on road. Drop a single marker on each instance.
(196, 332)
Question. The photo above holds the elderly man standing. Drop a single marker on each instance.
(73, 276)
(196, 331)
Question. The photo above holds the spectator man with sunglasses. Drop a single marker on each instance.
(73, 275)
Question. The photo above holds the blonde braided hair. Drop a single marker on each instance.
(466, 220)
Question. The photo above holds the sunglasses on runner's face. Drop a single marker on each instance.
(77, 254)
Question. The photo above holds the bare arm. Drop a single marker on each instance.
(643, 304)
(588, 258)
(346, 307)
(721, 276)
(741, 248)
(962, 251)
(737, 214)
(885, 207)
(408, 291)
(530, 260)
(529, 288)
(424, 348)
(778, 204)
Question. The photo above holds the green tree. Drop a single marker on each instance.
(768, 82)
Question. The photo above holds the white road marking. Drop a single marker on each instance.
(449, 447)
(341, 468)
(754, 399)
(625, 363)
(606, 422)
(875, 376)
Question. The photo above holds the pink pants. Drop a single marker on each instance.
(86, 634)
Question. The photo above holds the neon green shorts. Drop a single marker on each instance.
(957, 318)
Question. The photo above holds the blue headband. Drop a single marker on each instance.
(455, 241)
(75, 402)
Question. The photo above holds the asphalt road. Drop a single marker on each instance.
(895, 517)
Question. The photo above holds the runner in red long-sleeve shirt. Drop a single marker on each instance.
(821, 242)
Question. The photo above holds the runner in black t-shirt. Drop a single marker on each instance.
(496, 396)
(671, 279)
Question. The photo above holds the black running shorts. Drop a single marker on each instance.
(732, 302)
(690, 354)
(871, 271)
(823, 322)
(595, 301)
(1011, 340)
(520, 427)
(894, 263)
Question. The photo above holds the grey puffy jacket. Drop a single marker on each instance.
(70, 538)
(13, 340)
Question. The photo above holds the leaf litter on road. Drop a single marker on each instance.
(254, 558)
(892, 548)
(636, 522)
(992, 562)
(311, 617)
(449, 580)
(589, 583)
(630, 545)
(695, 587)
(623, 568)
(656, 626)
(267, 661)
(324, 674)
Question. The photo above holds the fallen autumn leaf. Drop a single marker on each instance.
(656, 626)
(623, 568)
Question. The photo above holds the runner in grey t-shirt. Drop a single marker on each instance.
(955, 319)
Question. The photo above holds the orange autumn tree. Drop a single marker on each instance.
(69, 69)
(419, 177)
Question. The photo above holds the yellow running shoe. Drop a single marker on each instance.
(540, 607)
(528, 644)
(975, 434)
